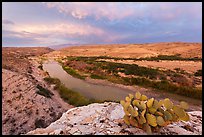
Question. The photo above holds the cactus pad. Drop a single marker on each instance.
(168, 104)
(184, 105)
(150, 102)
(151, 114)
(137, 95)
(151, 120)
(160, 121)
(143, 98)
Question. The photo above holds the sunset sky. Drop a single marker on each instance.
(46, 24)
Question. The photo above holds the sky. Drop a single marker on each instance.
(74, 23)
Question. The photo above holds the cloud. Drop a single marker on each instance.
(59, 28)
(5, 21)
(51, 33)
(165, 11)
(81, 10)
(107, 22)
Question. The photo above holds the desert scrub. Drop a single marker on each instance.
(198, 73)
(44, 92)
(94, 76)
(73, 72)
(164, 85)
(40, 67)
(145, 77)
(150, 114)
(55, 81)
(71, 97)
(157, 58)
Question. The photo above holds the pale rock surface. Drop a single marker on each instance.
(106, 119)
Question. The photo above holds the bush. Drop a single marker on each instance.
(71, 97)
(94, 76)
(44, 92)
(72, 72)
(198, 73)
(40, 123)
(40, 67)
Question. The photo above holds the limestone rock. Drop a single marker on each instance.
(106, 119)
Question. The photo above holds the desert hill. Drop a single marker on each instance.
(187, 50)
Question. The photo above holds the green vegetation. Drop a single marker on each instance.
(131, 69)
(159, 57)
(53, 81)
(150, 114)
(72, 72)
(96, 76)
(145, 77)
(198, 73)
(111, 67)
(170, 57)
(165, 86)
(44, 92)
(71, 97)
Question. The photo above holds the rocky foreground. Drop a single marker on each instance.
(23, 109)
(106, 119)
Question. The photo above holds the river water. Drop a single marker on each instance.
(103, 92)
(89, 90)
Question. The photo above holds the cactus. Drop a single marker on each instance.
(168, 104)
(184, 105)
(150, 102)
(160, 121)
(151, 120)
(150, 114)
(155, 104)
(137, 95)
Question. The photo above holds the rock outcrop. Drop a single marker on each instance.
(106, 119)
(23, 109)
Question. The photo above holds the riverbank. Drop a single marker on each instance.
(177, 82)
(194, 103)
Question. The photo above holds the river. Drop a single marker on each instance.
(87, 89)
(103, 92)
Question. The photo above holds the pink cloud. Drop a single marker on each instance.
(115, 10)
(98, 10)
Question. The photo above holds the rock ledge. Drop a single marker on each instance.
(106, 119)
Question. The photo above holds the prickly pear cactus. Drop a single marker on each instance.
(150, 114)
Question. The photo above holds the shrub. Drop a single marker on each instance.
(150, 114)
(198, 73)
(44, 92)
(94, 76)
(40, 123)
(40, 67)
(71, 97)
(72, 72)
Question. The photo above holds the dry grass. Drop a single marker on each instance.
(186, 50)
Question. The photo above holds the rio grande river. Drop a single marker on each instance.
(89, 90)
(102, 92)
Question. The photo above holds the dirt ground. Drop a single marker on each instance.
(133, 50)
(16, 59)
(22, 108)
